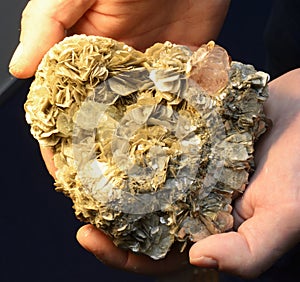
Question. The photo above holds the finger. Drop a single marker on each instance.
(47, 154)
(98, 243)
(43, 24)
(259, 242)
(243, 208)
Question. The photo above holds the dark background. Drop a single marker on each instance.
(38, 228)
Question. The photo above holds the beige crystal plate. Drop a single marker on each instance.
(151, 147)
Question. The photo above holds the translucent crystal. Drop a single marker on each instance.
(210, 66)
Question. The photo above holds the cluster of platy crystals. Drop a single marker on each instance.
(151, 147)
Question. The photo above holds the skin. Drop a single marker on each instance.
(45, 23)
(267, 217)
(267, 221)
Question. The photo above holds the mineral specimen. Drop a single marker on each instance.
(151, 147)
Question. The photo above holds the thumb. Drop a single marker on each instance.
(259, 242)
(43, 24)
(227, 252)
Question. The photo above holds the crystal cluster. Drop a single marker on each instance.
(151, 147)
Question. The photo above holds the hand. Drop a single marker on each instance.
(137, 23)
(267, 217)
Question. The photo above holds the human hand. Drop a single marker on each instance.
(267, 217)
(137, 23)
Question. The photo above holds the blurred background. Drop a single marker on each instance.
(37, 224)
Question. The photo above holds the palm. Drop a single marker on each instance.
(267, 217)
(142, 23)
(137, 23)
(273, 195)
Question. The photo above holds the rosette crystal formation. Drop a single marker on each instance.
(151, 147)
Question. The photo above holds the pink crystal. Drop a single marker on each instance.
(210, 68)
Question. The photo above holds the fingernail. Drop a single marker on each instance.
(206, 262)
(86, 230)
(16, 56)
